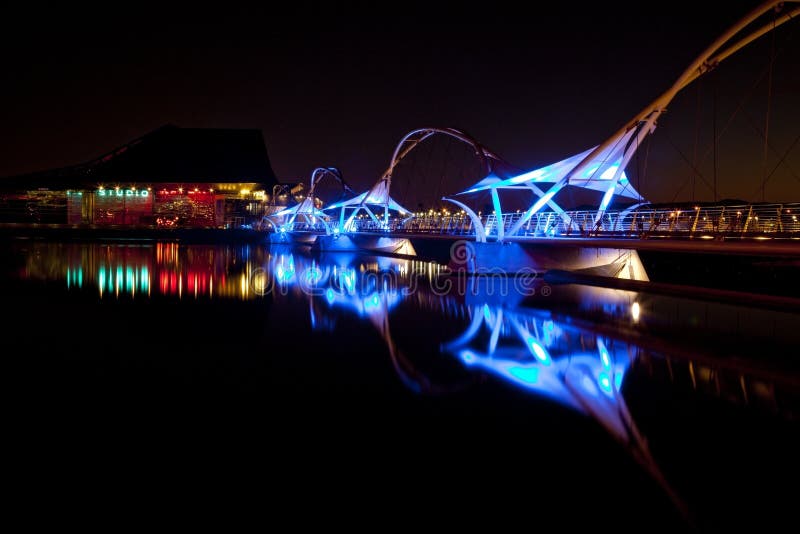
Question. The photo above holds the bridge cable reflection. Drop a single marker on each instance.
(542, 361)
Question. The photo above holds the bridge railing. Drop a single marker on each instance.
(750, 220)
(299, 226)
(698, 220)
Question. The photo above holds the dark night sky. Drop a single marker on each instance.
(340, 84)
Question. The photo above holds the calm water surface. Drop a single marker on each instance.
(622, 406)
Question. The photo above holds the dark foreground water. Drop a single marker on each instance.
(518, 401)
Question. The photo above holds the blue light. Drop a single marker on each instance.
(284, 271)
(605, 382)
(467, 356)
(608, 174)
(538, 350)
(330, 296)
(486, 313)
(347, 278)
(129, 280)
(536, 175)
(529, 375)
(312, 275)
(618, 381)
(601, 347)
(589, 386)
(372, 303)
(607, 198)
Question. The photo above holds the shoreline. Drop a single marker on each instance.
(110, 233)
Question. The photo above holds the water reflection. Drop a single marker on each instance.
(133, 270)
(591, 350)
(573, 345)
(575, 367)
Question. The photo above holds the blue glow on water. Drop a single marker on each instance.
(604, 357)
(347, 278)
(467, 356)
(372, 303)
(330, 296)
(486, 313)
(605, 382)
(313, 275)
(529, 375)
(538, 350)
(284, 271)
(589, 386)
(618, 380)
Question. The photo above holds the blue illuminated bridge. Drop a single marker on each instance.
(599, 240)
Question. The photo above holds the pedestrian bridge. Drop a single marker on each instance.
(377, 222)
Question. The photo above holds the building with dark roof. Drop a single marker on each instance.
(201, 177)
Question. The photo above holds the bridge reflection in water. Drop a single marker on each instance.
(584, 350)
(581, 359)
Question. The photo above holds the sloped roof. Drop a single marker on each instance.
(168, 154)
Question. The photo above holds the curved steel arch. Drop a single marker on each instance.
(316, 176)
(412, 139)
(415, 137)
(321, 172)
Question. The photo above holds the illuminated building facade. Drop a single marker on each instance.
(171, 177)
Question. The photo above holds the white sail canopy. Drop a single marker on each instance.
(597, 175)
(306, 207)
(378, 195)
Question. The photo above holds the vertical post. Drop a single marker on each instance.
(696, 218)
(747, 221)
(498, 215)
